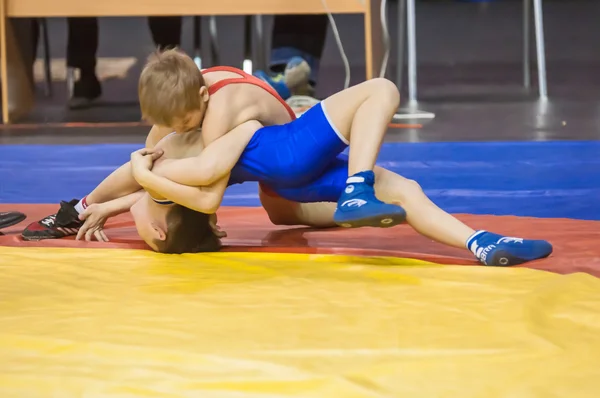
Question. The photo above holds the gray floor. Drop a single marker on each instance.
(469, 75)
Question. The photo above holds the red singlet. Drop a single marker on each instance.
(245, 78)
(249, 79)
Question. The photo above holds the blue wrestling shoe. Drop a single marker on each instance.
(358, 206)
(277, 82)
(293, 81)
(501, 251)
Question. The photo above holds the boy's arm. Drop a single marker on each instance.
(203, 199)
(199, 182)
(213, 163)
(95, 215)
(120, 205)
(120, 182)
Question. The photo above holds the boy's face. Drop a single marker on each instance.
(192, 121)
(188, 123)
(150, 220)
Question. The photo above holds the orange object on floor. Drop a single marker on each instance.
(575, 242)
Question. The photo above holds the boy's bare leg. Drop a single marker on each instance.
(429, 220)
(424, 216)
(285, 212)
(421, 213)
(360, 114)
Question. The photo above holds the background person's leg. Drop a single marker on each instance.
(82, 45)
(20, 67)
(166, 31)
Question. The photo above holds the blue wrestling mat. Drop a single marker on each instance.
(538, 179)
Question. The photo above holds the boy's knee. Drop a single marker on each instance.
(411, 191)
(280, 218)
(279, 210)
(404, 192)
(387, 89)
(413, 187)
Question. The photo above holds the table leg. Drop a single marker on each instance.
(4, 62)
(373, 38)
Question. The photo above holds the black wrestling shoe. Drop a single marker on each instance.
(10, 218)
(64, 223)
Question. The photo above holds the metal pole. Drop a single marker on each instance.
(526, 41)
(412, 51)
(47, 60)
(197, 42)
(260, 42)
(247, 64)
(214, 41)
(541, 52)
(401, 39)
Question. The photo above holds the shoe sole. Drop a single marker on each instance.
(32, 238)
(39, 238)
(505, 259)
(377, 222)
(19, 217)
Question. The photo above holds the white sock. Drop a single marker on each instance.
(82, 205)
(473, 237)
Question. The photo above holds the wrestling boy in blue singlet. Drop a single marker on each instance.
(176, 97)
(300, 166)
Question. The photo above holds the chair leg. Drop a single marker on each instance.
(47, 60)
(541, 52)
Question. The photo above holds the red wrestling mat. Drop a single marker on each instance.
(575, 242)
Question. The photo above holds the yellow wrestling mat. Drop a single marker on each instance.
(124, 323)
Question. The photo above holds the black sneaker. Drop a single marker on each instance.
(64, 223)
(10, 218)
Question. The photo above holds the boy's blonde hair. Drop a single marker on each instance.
(169, 87)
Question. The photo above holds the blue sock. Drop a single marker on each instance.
(497, 250)
(359, 207)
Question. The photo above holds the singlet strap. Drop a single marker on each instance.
(245, 78)
(163, 201)
(225, 69)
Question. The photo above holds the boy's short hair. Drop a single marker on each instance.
(169, 87)
(188, 231)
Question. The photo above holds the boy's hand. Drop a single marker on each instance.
(143, 160)
(212, 221)
(94, 216)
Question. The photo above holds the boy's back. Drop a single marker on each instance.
(237, 97)
(232, 98)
